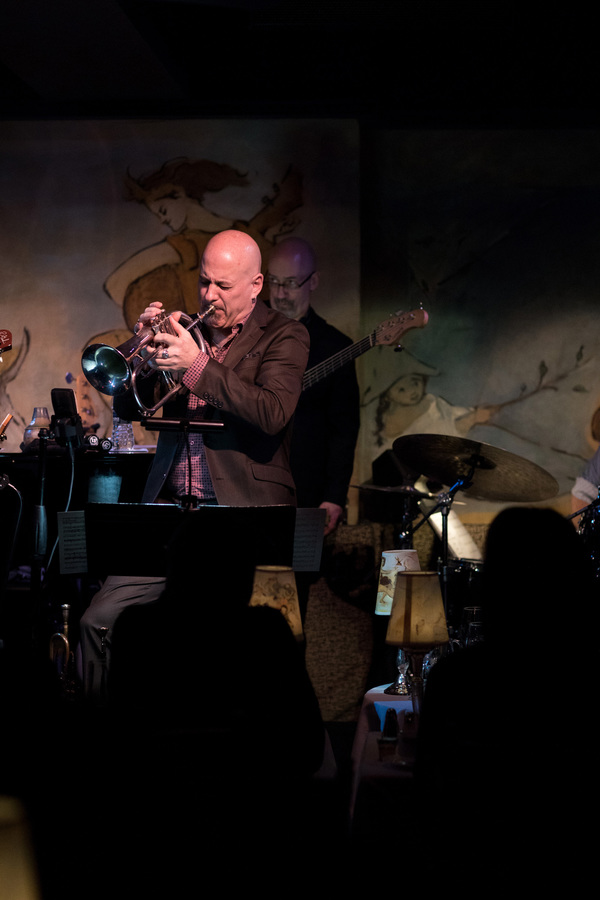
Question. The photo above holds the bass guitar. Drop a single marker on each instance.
(386, 333)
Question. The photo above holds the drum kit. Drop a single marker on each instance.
(589, 530)
(483, 472)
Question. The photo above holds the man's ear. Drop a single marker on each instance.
(314, 281)
(257, 281)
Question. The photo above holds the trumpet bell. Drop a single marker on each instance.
(114, 370)
(107, 369)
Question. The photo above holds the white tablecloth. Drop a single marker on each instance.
(372, 716)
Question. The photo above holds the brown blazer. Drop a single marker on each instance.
(254, 392)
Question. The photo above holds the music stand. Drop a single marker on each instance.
(192, 426)
(224, 536)
(185, 427)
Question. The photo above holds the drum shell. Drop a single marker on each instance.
(464, 579)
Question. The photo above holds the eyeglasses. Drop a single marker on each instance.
(288, 284)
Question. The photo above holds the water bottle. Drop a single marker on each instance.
(122, 436)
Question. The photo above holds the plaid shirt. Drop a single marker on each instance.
(178, 482)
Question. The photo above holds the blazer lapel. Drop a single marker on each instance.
(248, 337)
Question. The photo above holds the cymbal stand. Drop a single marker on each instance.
(594, 504)
(443, 505)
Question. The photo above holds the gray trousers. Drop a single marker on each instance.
(96, 624)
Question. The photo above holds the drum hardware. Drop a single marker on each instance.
(410, 497)
(115, 370)
(463, 578)
(486, 472)
(588, 529)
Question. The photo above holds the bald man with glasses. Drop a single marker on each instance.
(327, 416)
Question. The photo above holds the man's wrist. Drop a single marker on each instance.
(196, 369)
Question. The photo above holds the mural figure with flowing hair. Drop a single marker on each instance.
(9, 369)
(168, 270)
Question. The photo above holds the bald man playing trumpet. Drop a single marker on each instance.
(249, 376)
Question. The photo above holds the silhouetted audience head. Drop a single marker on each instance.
(489, 773)
(535, 565)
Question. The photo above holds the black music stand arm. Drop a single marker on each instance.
(193, 426)
(185, 427)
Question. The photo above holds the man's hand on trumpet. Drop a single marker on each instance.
(151, 311)
(176, 352)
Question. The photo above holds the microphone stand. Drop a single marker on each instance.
(40, 537)
(40, 534)
(593, 505)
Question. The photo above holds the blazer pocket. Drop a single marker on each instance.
(275, 474)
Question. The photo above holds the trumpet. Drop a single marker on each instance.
(61, 655)
(115, 370)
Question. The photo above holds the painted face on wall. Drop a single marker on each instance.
(171, 209)
(407, 390)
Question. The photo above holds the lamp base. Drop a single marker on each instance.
(399, 688)
(415, 678)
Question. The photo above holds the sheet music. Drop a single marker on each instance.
(308, 539)
(460, 543)
(72, 542)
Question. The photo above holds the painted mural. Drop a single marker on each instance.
(496, 235)
(102, 217)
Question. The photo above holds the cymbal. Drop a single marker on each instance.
(496, 474)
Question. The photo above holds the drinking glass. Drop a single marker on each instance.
(472, 615)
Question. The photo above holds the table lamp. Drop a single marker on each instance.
(417, 623)
(276, 586)
(393, 562)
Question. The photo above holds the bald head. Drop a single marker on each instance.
(292, 251)
(292, 276)
(235, 249)
(230, 278)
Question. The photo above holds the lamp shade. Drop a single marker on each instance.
(392, 562)
(276, 586)
(417, 621)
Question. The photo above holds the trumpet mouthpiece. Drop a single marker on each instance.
(206, 313)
